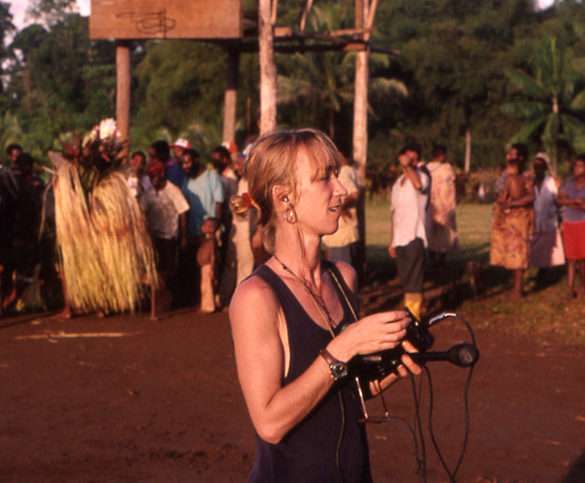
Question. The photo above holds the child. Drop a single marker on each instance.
(206, 261)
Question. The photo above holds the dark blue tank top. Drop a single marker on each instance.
(330, 444)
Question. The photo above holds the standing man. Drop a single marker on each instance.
(408, 240)
(166, 210)
(441, 224)
(175, 172)
(13, 151)
(342, 245)
(226, 262)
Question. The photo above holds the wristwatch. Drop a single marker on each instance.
(337, 368)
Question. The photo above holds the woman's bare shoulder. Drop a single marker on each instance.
(348, 273)
(253, 296)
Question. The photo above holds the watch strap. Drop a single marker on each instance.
(337, 368)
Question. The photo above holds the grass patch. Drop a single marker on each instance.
(473, 224)
(544, 313)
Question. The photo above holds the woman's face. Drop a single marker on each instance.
(319, 202)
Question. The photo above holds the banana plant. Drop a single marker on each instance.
(549, 101)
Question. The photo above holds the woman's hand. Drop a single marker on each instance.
(407, 367)
(374, 333)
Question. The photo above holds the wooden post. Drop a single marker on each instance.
(360, 101)
(230, 98)
(360, 131)
(268, 87)
(123, 81)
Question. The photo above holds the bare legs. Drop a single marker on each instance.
(573, 265)
(518, 276)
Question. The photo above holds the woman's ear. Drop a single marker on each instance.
(281, 198)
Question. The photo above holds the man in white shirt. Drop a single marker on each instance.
(166, 210)
(341, 245)
(408, 240)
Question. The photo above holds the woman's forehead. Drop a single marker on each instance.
(314, 161)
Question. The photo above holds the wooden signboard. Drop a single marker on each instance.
(165, 19)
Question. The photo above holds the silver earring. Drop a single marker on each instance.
(291, 216)
(285, 199)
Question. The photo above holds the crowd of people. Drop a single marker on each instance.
(203, 232)
(537, 221)
(207, 237)
(204, 235)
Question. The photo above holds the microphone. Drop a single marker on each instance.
(462, 355)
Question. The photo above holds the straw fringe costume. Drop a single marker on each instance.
(105, 253)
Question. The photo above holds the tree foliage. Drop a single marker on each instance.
(550, 99)
(455, 59)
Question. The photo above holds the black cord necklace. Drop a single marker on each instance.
(317, 299)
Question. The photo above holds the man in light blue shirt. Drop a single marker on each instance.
(204, 191)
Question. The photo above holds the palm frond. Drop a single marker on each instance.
(384, 86)
(526, 84)
(525, 109)
(529, 130)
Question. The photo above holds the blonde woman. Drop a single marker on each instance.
(287, 320)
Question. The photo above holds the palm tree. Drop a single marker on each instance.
(324, 81)
(548, 101)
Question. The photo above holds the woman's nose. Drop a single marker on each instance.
(339, 189)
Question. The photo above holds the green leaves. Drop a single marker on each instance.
(527, 85)
(546, 100)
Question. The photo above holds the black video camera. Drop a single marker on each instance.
(378, 365)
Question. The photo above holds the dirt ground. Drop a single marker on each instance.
(128, 399)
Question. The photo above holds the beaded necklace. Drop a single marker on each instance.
(317, 299)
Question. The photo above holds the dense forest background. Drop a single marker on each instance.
(484, 72)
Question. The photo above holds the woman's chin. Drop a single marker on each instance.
(331, 230)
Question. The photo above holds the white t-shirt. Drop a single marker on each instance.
(162, 209)
(347, 231)
(409, 210)
(545, 208)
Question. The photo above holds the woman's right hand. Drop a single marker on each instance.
(374, 333)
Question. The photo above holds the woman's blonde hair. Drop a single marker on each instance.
(273, 160)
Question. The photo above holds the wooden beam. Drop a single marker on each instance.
(288, 45)
(305, 14)
(360, 129)
(283, 31)
(370, 20)
(123, 83)
(268, 86)
(274, 15)
(230, 97)
(348, 32)
(360, 101)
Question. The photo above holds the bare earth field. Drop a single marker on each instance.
(126, 399)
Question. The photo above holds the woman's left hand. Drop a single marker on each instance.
(404, 370)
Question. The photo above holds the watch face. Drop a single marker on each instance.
(338, 370)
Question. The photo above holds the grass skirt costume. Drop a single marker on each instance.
(105, 253)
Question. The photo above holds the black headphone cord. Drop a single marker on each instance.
(466, 415)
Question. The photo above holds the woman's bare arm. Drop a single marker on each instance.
(276, 409)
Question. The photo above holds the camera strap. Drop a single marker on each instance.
(343, 289)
